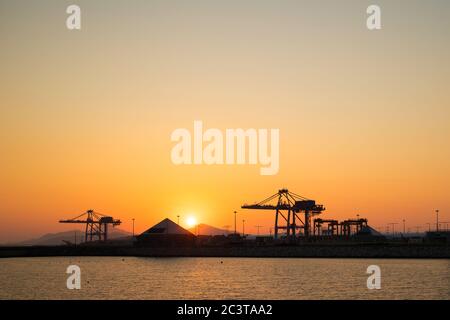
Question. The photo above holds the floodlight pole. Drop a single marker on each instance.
(437, 220)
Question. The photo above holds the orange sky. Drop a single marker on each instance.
(86, 116)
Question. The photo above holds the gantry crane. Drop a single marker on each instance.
(332, 227)
(96, 224)
(348, 225)
(293, 204)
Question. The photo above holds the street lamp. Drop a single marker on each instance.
(133, 227)
(243, 228)
(437, 220)
(235, 222)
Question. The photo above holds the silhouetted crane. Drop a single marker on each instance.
(293, 204)
(96, 224)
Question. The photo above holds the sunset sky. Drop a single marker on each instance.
(86, 116)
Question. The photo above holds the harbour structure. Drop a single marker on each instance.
(96, 224)
(299, 218)
(166, 233)
(295, 211)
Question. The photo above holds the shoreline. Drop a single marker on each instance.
(363, 251)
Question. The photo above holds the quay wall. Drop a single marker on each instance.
(302, 251)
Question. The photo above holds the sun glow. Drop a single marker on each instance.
(191, 222)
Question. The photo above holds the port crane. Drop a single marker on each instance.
(332, 227)
(96, 224)
(289, 206)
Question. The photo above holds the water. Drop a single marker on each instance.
(222, 278)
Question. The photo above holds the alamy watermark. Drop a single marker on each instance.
(73, 21)
(373, 21)
(234, 146)
(74, 280)
(374, 280)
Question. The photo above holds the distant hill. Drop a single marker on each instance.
(206, 230)
(52, 239)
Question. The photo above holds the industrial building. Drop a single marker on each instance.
(166, 234)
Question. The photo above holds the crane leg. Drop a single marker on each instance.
(276, 224)
(288, 223)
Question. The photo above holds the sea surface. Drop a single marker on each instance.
(222, 278)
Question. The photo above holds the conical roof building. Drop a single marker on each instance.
(167, 226)
(166, 233)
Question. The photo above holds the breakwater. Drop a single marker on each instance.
(302, 251)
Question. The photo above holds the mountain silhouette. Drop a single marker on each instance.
(59, 238)
(207, 230)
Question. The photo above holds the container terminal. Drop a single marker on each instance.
(299, 231)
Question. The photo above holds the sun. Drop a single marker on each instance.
(191, 222)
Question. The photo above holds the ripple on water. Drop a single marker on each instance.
(222, 278)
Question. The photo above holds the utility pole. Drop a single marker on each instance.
(257, 228)
(429, 226)
(393, 227)
(404, 227)
(437, 220)
(235, 222)
(133, 227)
(243, 228)
(445, 224)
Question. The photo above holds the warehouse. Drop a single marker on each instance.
(166, 234)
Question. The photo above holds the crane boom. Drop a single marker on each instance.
(96, 224)
(294, 204)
